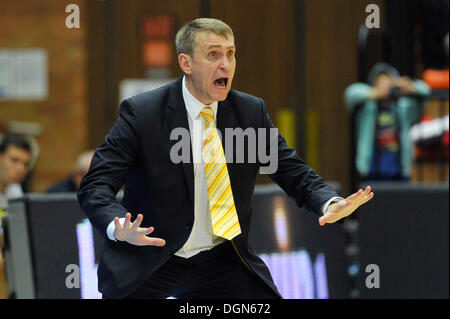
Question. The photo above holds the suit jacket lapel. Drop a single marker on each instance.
(176, 116)
(224, 119)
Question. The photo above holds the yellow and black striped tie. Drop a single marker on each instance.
(224, 217)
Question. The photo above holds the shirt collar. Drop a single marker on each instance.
(194, 106)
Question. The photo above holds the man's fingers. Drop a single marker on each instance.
(126, 223)
(325, 219)
(367, 198)
(368, 195)
(322, 221)
(360, 196)
(117, 223)
(153, 241)
(146, 231)
(366, 192)
(137, 222)
(355, 196)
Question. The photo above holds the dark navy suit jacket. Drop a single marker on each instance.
(136, 152)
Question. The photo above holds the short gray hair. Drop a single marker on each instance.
(185, 38)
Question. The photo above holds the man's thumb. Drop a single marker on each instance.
(322, 220)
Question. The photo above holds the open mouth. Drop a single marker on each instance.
(221, 82)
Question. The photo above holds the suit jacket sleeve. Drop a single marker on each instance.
(295, 177)
(109, 167)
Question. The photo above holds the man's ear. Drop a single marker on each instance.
(185, 62)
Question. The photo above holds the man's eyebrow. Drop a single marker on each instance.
(218, 46)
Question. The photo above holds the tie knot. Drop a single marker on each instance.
(207, 113)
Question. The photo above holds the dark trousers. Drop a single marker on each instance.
(214, 274)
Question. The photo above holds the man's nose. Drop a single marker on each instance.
(224, 64)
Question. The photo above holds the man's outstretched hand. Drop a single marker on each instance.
(133, 234)
(345, 207)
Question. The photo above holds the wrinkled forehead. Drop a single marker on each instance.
(207, 39)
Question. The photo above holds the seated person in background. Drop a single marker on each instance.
(15, 162)
(15, 158)
(388, 106)
(72, 182)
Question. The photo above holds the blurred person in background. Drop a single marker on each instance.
(386, 108)
(15, 159)
(15, 162)
(72, 182)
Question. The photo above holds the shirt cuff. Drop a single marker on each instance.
(328, 202)
(112, 227)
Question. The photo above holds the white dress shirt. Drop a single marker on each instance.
(11, 191)
(201, 237)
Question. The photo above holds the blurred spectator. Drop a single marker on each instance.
(15, 158)
(72, 182)
(386, 108)
(15, 162)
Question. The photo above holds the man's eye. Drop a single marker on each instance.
(230, 53)
(212, 54)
